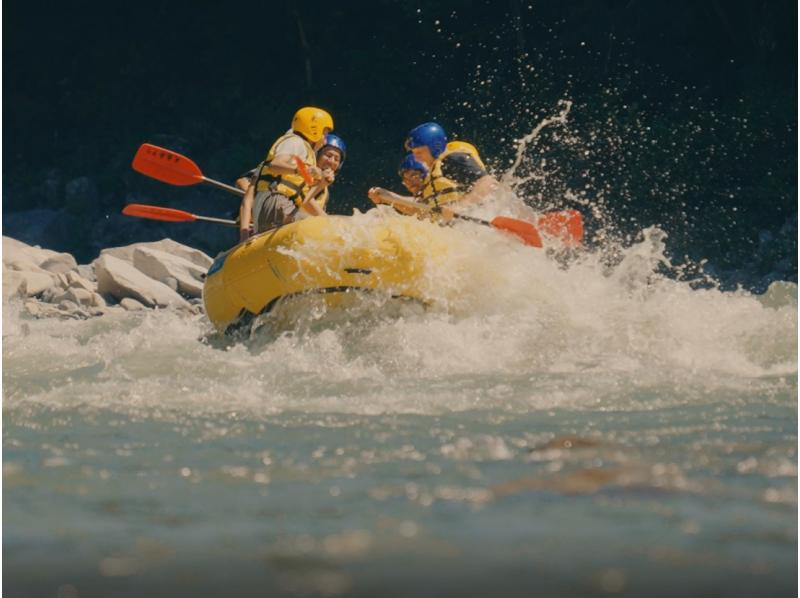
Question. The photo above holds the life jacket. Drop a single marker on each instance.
(437, 189)
(291, 185)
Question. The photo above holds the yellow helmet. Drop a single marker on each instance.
(467, 148)
(462, 146)
(311, 123)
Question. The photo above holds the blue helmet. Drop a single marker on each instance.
(430, 135)
(411, 163)
(332, 140)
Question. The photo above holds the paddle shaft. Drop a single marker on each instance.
(223, 186)
(401, 201)
(311, 193)
(217, 220)
(524, 231)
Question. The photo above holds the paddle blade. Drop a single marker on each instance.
(301, 166)
(526, 232)
(566, 226)
(157, 213)
(166, 166)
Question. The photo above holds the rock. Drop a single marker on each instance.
(87, 272)
(122, 280)
(131, 304)
(36, 282)
(65, 311)
(13, 284)
(17, 250)
(98, 301)
(40, 310)
(52, 295)
(23, 264)
(75, 295)
(67, 305)
(169, 268)
(60, 263)
(169, 246)
(70, 309)
(75, 280)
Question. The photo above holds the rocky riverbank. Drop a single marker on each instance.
(160, 274)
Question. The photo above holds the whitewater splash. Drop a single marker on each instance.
(508, 327)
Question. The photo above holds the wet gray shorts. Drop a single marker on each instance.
(271, 209)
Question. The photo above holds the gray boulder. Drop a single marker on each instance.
(60, 263)
(120, 279)
(18, 251)
(13, 284)
(130, 304)
(169, 246)
(36, 283)
(171, 270)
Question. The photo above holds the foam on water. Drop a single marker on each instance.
(509, 327)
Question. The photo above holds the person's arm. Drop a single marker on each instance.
(245, 213)
(285, 164)
(246, 179)
(379, 195)
(242, 183)
(311, 206)
(483, 186)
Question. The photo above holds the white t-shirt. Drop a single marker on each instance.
(294, 146)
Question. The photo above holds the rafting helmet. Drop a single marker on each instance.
(411, 163)
(311, 123)
(429, 134)
(462, 146)
(466, 148)
(337, 142)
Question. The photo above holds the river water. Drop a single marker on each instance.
(558, 428)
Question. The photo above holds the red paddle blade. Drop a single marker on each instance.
(166, 166)
(157, 213)
(566, 226)
(524, 230)
(301, 166)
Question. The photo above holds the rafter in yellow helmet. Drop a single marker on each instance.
(311, 123)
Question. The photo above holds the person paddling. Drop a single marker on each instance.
(330, 158)
(412, 174)
(455, 171)
(278, 190)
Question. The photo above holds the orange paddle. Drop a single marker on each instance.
(171, 167)
(170, 214)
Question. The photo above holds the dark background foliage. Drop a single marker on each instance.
(684, 113)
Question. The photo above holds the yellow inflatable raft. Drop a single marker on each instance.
(331, 255)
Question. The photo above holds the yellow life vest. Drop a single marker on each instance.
(291, 185)
(437, 189)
